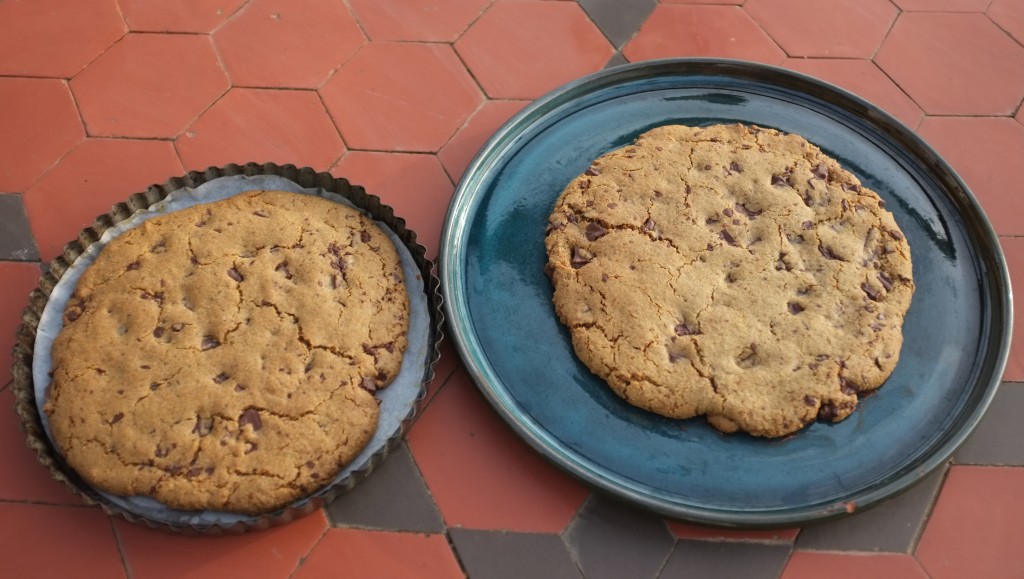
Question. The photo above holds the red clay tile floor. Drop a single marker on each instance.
(398, 95)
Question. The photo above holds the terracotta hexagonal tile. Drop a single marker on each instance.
(864, 79)
(278, 43)
(735, 2)
(981, 71)
(89, 180)
(149, 85)
(401, 96)
(522, 49)
(414, 185)
(55, 38)
(480, 474)
(1009, 15)
(942, 5)
(86, 541)
(976, 526)
(796, 25)
(808, 564)
(688, 531)
(719, 31)
(417, 20)
(459, 151)
(19, 279)
(370, 554)
(985, 152)
(275, 552)
(178, 16)
(40, 123)
(261, 125)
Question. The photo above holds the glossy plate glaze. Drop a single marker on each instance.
(499, 302)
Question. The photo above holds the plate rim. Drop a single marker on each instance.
(988, 256)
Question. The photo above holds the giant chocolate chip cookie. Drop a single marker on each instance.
(734, 272)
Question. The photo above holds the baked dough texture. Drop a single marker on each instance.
(224, 357)
(730, 271)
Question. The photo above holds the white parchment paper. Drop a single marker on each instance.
(396, 401)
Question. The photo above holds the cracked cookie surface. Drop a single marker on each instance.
(733, 272)
(224, 357)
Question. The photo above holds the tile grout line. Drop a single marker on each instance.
(303, 558)
(888, 31)
(1003, 30)
(785, 53)
(120, 549)
(915, 541)
(228, 18)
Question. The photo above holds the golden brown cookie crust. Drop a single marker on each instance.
(733, 272)
(223, 357)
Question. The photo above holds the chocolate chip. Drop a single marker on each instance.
(595, 231)
(779, 180)
(193, 472)
(807, 225)
(795, 308)
(203, 426)
(727, 237)
(612, 205)
(847, 387)
(133, 266)
(154, 385)
(233, 274)
(734, 166)
(364, 236)
(572, 217)
(260, 213)
(748, 357)
(283, 268)
(657, 194)
(368, 384)
(851, 187)
(827, 412)
(820, 171)
(73, 314)
(821, 357)
(881, 204)
(220, 378)
(684, 329)
(161, 451)
(828, 253)
(707, 167)
(844, 205)
(117, 418)
(744, 210)
(604, 277)
(252, 417)
(209, 343)
(895, 235)
(648, 225)
(871, 292)
(581, 257)
(158, 332)
(727, 212)
(810, 400)
(885, 280)
(592, 171)
(584, 184)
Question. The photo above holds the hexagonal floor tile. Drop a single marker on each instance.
(379, 554)
(93, 177)
(976, 526)
(981, 71)
(718, 31)
(1008, 15)
(278, 43)
(942, 5)
(149, 85)
(401, 96)
(985, 152)
(460, 150)
(726, 559)
(481, 475)
(261, 125)
(864, 79)
(55, 38)
(808, 565)
(797, 26)
(40, 123)
(83, 535)
(611, 540)
(415, 185)
(275, 552)
(19, 279)
(735, 2)
(504, 555)
(180, 16)
(522, 49)
(417, 20)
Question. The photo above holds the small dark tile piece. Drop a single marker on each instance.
(999, 439)
(618, 20)
(892, 526)
(16, 241)
(507, 555)
(611, 540)
(726, 560)
(395, 497)
(616, 60)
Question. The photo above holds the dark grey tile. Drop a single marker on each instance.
(394, 497)
(892, 526)
(619, 20)
(613, 541)
(725, 560)
(616, 60)
(999, 438)
(16, 241)
(506, 555)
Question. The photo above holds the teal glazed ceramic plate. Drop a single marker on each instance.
(498, 301)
